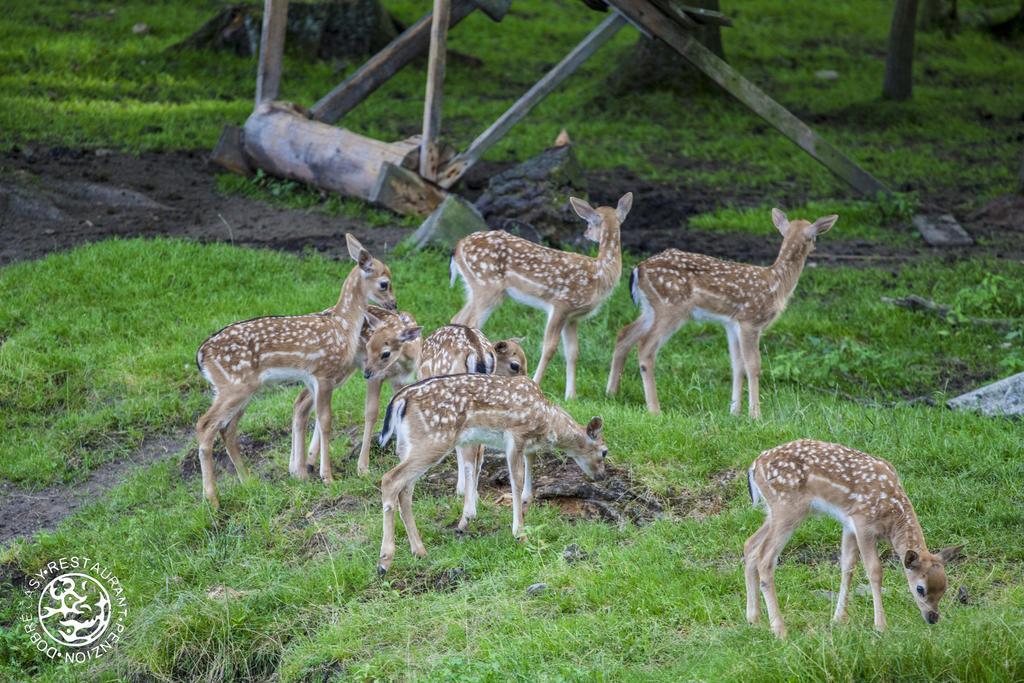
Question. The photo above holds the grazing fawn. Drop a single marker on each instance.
(428, 419)
(864, 494)
(389, 337)
(675, 285)
(317, 349)
(568, 286)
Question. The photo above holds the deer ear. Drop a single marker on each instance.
(594, 427)
(354, 247)
(911, 560)
(950, 553)
(585, 211)
(625, 204)
(410, 333)
(780, 221)
(371, 320)
(823, 224)
(501, 347)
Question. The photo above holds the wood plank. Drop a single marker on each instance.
(435, 88)
(268, 73)
(283, 142)
(383, 65)
(230, 151)
(457, 167)
(646, 14)
(405, 192)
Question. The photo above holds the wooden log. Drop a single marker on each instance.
(647, 15)
(283, 142)
(268, 74)
(457, 167)
(435, 88)
(383, 65)
(403, 191)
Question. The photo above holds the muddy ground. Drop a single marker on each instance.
(58, 198)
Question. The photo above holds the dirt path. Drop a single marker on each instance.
(25, 513)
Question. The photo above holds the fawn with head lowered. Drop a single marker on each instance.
(864, 494)
(318, 350)
(430, 418)
(673, 286)
(568, 286)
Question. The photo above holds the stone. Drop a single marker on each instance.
(141, 29)
(452, 220)
(536, 589)
(941, 230)
(1005, 397)
(574, 553)
(826, 75)
(531, 199)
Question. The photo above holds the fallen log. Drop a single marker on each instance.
(917, 303)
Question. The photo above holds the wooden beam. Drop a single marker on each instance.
(457, 167)
(646, 14)
(435, 88)
(268, 74)
(383, 65)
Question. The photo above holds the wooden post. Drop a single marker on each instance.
(435, 85)
(268, 75)
(458, 166)
(383, 65)
(899, 62)
(647, 15)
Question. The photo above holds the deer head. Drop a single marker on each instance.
(509, 358)
(589, 450)
(926, 576)
(387, 340)
(376, 277)
(800, 232)
(602, 218)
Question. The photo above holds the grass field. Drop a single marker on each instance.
(87, 372)
(97, 353)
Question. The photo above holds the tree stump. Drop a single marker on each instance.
(329, 29)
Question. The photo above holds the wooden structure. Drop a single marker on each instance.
(413, 176)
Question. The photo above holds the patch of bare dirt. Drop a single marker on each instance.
(24, 513)
(254, 453)
(420, 582)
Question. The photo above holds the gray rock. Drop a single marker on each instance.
(1005, 397)
(536, 589)
(452, 220)
(826, 75)
(574, 553)
(532, 198)
(941, 230)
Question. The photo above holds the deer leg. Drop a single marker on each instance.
(392, 485)
(556, 320)
(514, 458)
(300, 417)
(371, 408)
(750, 340)
(479, 305)
(225, 408)
(647, 353)
(405, 511)
(571, 347)
(460, 462)
(847, 563)
(732, 334)
(471, 464)
(626, 340)
(751, 551)
(528, 480)
(775, 540)
(229, 435)
(324, 391)
(873, 566)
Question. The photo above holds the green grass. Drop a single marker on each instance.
(97, 351)
(79, 76)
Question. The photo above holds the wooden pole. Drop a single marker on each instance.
(647, 15)
(435, 86)
(268, 75)
(458, 166)
(383, 65)
(899, 62)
